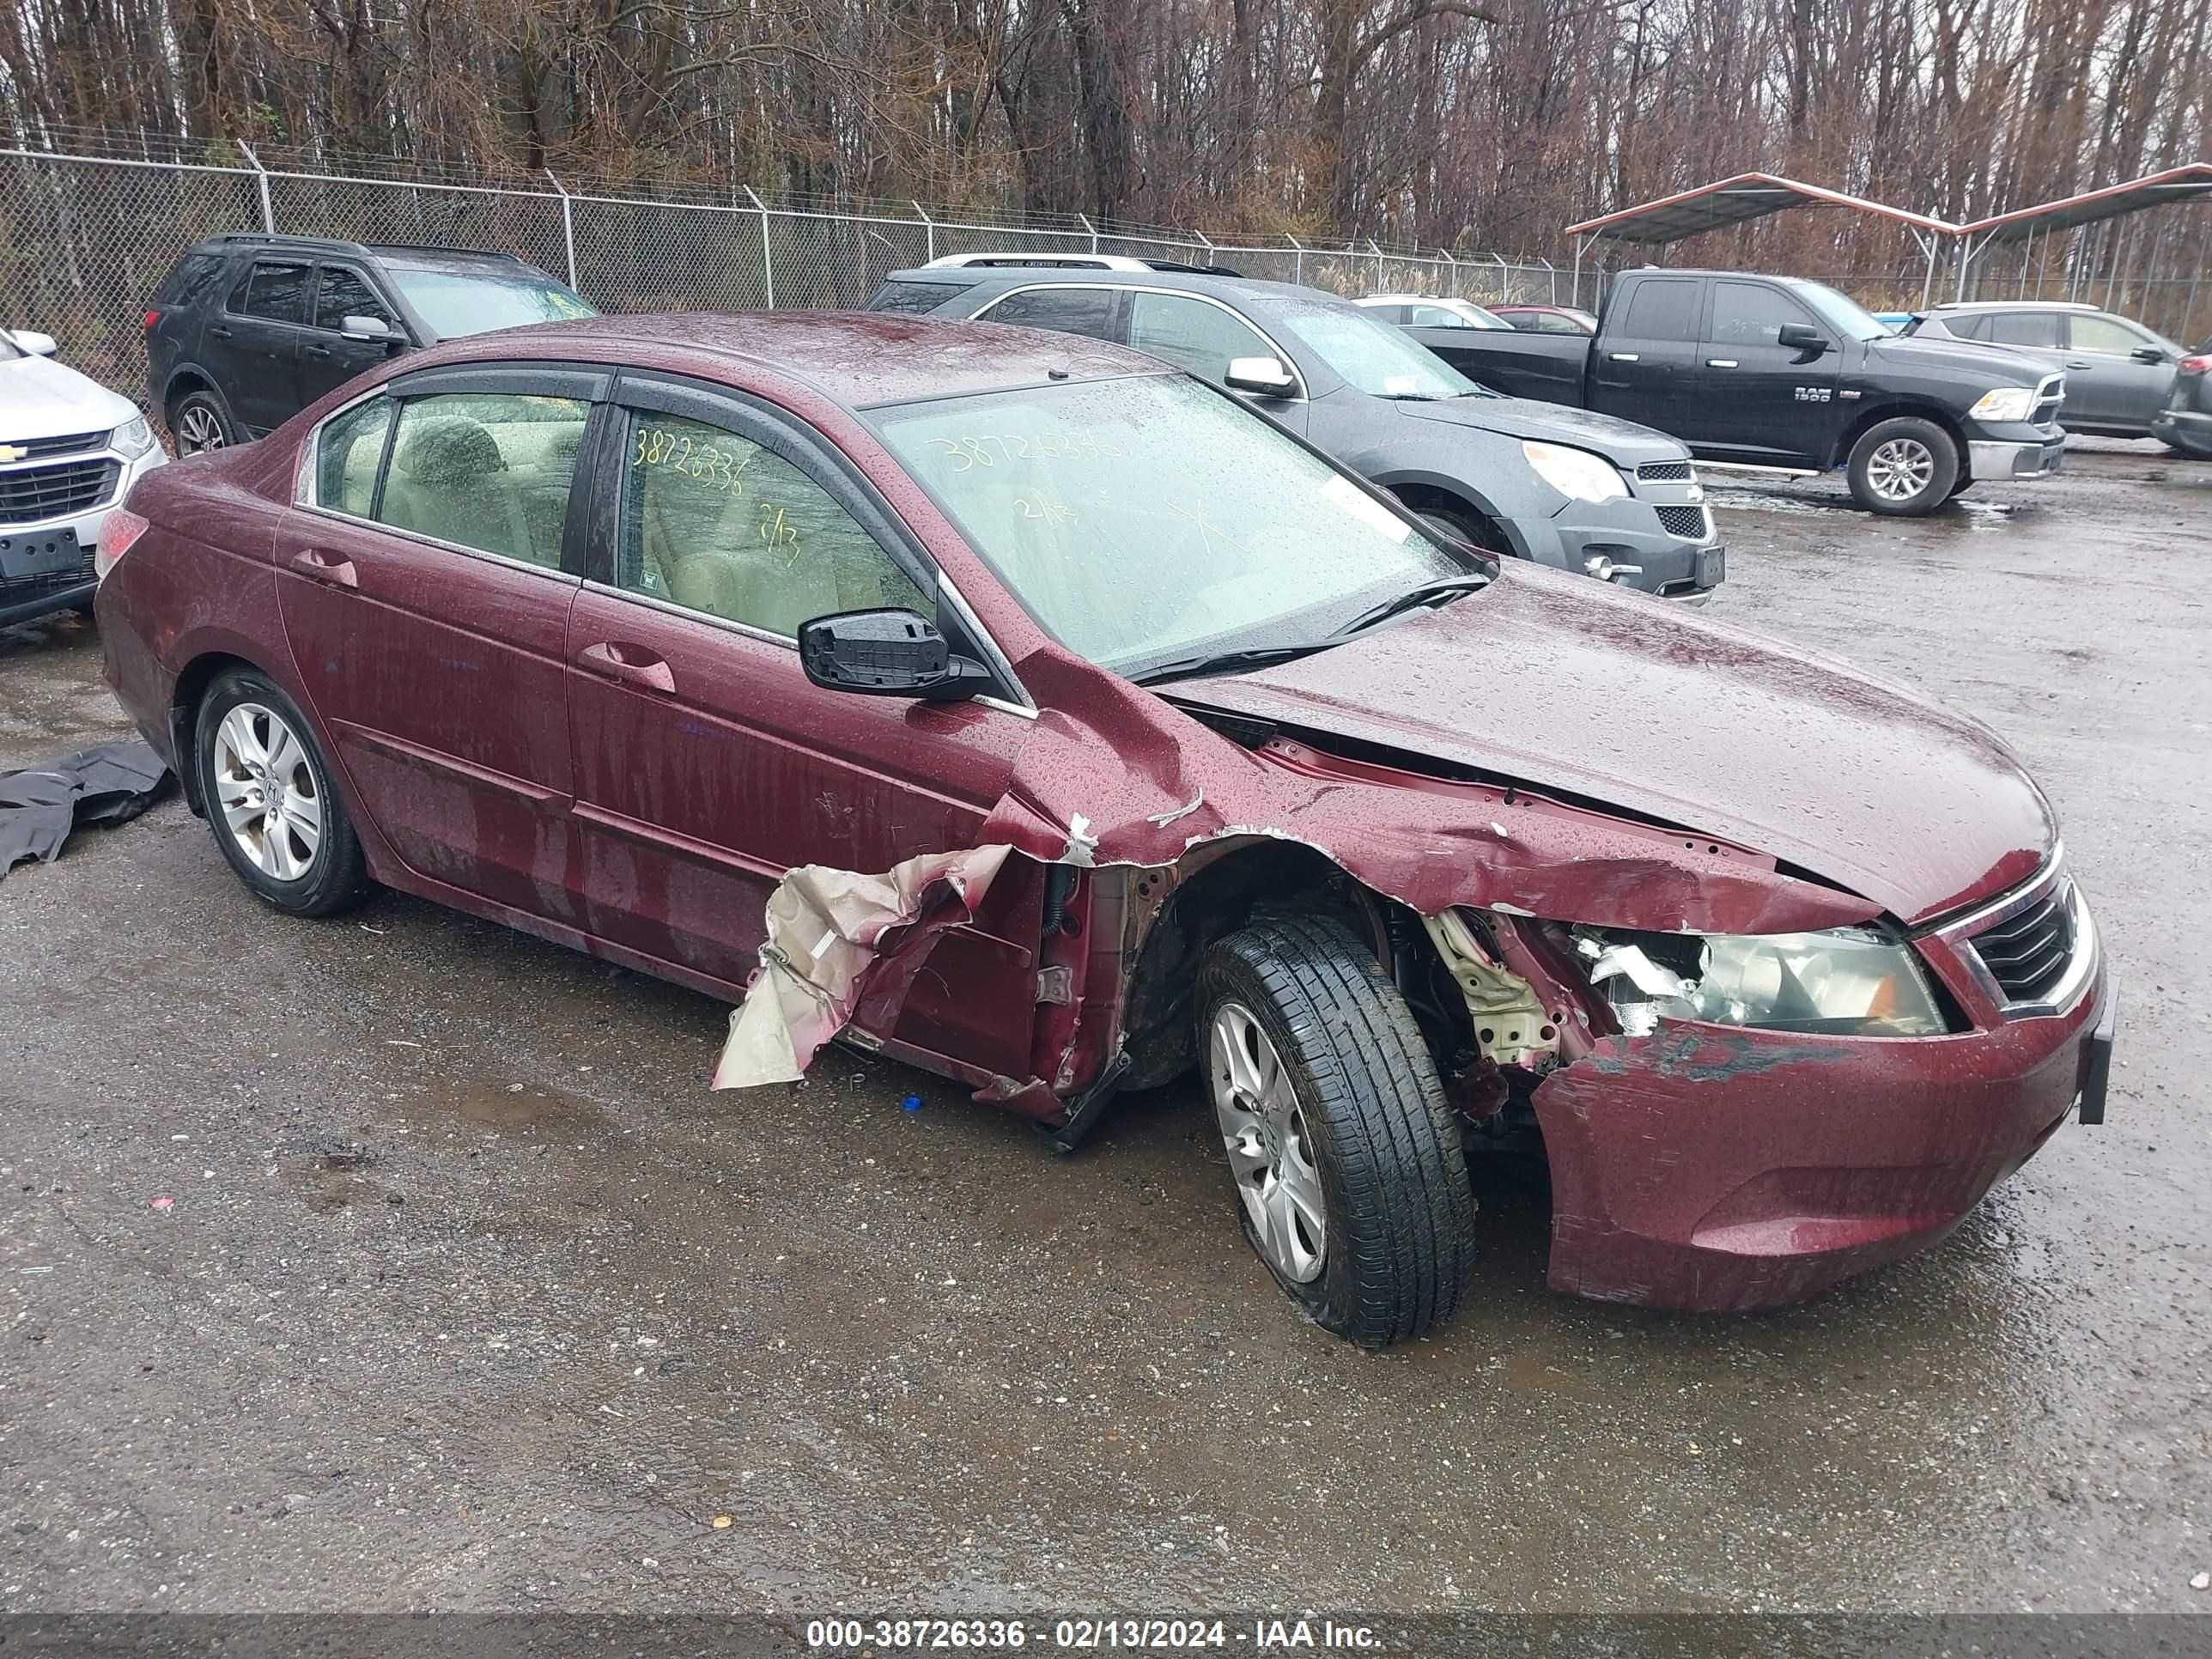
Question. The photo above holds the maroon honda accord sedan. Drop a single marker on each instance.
(1036, 715)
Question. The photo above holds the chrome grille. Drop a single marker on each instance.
(38, 493)
(1689, 522)
(1668, 471)
(2028, 952)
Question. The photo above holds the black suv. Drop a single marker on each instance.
(246, 331)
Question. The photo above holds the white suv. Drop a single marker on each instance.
(69, 451)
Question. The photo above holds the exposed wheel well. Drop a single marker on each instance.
(182, 385)
(1268, 879)
(1873, 418)
(184, 712)
(1431, 498)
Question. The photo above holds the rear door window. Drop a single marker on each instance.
(488, 470)
(1193, 334)
(344, 292)
(2022, 328)
(1663, 311)
(275, 292)
(1087, 311)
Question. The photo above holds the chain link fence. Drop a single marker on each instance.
(85, 240)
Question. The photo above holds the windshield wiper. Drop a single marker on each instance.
(1220, 662)
(1430, 592)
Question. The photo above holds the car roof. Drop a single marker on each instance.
(1174, 281)
(403, 252)
(2014, 305)
(1413, 300)
(857, 359)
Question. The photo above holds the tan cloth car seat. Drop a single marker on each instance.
(448, 480)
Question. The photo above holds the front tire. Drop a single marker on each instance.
(270, 800)
(1351, 1178)
(1903, 467)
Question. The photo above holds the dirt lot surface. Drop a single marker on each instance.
(471, 1296)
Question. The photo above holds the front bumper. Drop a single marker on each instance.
(2020, 452)
(1628, 542)
(45, 565)
(1721, 1170)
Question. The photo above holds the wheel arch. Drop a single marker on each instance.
(1890, 409)
(1214, 892)
(192, 689)
(186, 379)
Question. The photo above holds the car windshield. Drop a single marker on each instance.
(1372, 356)
(1839, 311)
(457, 302)
(1147, 519)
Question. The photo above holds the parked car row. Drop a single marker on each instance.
(1201, 674)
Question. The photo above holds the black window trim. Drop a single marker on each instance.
(795, 441)
(520, 379)
(243, 284)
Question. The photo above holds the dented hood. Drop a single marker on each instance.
(1565, 684)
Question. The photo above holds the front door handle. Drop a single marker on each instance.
(1626, 357)
(1720, 362)
(316, 350)
(630, 664)
(326, 568)
(2081, 365)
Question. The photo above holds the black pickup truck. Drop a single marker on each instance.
(1777, 372)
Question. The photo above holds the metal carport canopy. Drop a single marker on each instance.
(2191, 182)
(1735, 201)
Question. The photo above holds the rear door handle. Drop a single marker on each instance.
(1626, 357)
(326, 568)
(219, 331)
(1720, 362)
(630, 664)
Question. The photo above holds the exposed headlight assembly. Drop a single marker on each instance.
(133, 438)
(2006, 403)
(1852, 982)
(1575, 473)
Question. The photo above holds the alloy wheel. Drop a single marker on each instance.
(1270, 1155)
(265, 789)
(198, 429)
(1900, 468)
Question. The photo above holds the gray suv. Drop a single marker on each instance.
(1560, 487)
(2118, 374)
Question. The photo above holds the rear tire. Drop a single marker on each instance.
(1350, 1176)
(1903, 467)
(271, 801)
(198, 423)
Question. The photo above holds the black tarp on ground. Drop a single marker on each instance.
(110, 783)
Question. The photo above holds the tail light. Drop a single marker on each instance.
(2195, 364)
(152, 318)
(117, 535)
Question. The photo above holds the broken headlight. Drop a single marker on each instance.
(1852, 982)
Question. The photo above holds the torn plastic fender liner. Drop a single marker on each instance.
(842, 945)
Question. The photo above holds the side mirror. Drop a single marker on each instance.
(2148, 355)
(1800, 337)
(1263, 377)
(30, 340)
(365, 328)
(886, 653)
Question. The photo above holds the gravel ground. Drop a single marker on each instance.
(472, 1297)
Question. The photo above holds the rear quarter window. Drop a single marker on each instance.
(193, 279)
(913, 298)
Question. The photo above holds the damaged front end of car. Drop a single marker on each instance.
(1747, 1081)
